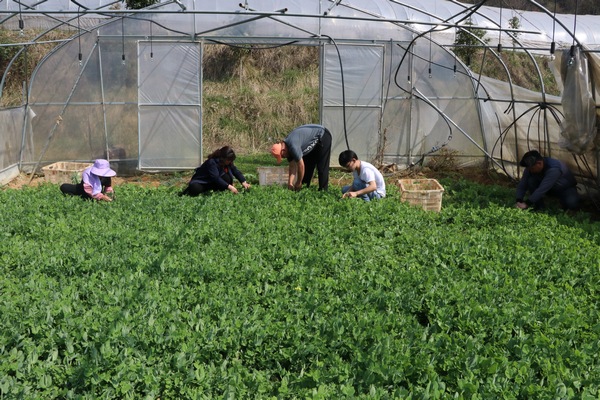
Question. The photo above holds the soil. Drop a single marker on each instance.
(338, 178)
(146, 180)
(477, 175)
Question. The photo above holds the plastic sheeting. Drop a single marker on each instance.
(169, 100)
(578, 128)
(386, 102)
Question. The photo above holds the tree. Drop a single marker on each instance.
(514, 23)
(468, 41)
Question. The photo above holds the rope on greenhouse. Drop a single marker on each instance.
(499, 47)
(575, 21)
(79, 55)
(21, 23)
(553, 44)
(123, 40)
(151, 48)
(343, 91)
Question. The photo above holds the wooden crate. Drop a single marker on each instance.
(64, 172)
(425, 193)
(272, 175)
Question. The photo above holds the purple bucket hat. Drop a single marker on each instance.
(102, 168)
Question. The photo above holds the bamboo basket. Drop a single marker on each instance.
(64, 171)
(424, 193)
(272, 175)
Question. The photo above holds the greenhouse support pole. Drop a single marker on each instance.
(410, 110)
(24, 128)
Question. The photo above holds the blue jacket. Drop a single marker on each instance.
(211, 173)
(555, 177)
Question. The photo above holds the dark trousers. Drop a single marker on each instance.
(568, 196)
(195, 189)
(74, 190)
(77, 190)
(319, 158)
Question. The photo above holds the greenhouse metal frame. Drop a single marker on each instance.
(128, 84)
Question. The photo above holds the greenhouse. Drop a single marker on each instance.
(127, 85)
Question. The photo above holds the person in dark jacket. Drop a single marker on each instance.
(216, 173)
(306, 147)
(545, 176)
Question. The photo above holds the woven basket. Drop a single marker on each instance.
(64, 172)
(424, 193)
(272, 175)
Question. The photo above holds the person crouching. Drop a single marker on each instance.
(96, 183)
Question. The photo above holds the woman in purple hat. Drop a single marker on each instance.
(95, 183)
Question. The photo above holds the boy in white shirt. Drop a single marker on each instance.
(368, 182)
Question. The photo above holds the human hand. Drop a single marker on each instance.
(246, 185)
(521, 205)
(232, 189)
(349, 194)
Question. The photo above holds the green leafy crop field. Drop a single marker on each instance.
(275, 294)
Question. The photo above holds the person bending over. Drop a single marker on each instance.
(306, 147)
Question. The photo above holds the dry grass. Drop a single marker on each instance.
(264, 93)
(12, 93)
(521, 69)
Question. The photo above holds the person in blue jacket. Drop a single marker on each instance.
(216, 174)
(545, 176)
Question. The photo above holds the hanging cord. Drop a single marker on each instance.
(455, 65)
(151, 48)
(123, 40)
(430, 52)
(537, 112)
(575, 24)
(553, 44)
(21, 22)
(343, 90)
(500, 31)
(80, 56)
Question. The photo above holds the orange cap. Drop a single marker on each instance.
(276, 151)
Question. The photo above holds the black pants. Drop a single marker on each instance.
(568, 196)
(74, 190)
(319, 158)
(195, 189)
(77, 190)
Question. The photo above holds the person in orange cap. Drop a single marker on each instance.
(306, 147)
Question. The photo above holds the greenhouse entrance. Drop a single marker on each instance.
(169, 106)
